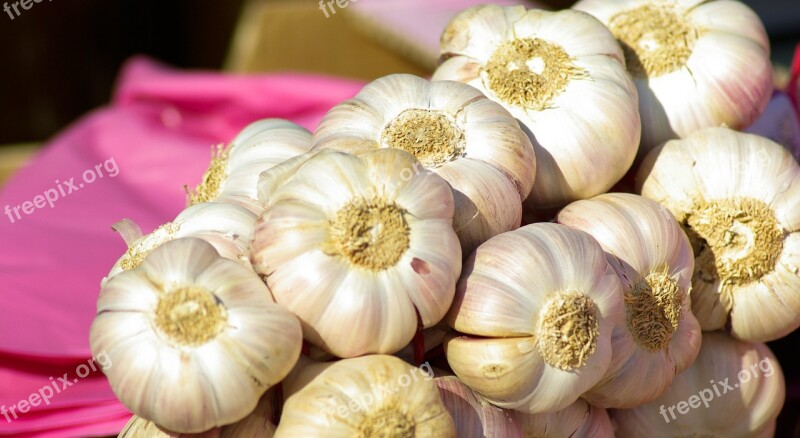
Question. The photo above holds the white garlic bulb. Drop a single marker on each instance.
(256, 425)
(654, 261)
(232, 175)
(227, 227)
(473, 416)
(578, 420)
(733, 389)
(359, 246)
(536, 307)
(695, 63)
(193, 339)
(369, 396)
(738, 197)
(452, 129)
(562, 74)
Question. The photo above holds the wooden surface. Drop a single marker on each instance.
(12, 157)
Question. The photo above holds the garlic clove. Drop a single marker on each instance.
(477, 30)
(472, 415)
(233, 174)
(579, 420)
(271, 179)
(486, 202)
(487, 366)
(337, 178)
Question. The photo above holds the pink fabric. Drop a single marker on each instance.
(157, 133)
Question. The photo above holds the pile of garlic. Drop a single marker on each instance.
(381, 276)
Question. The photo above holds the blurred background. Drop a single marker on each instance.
(60, 60)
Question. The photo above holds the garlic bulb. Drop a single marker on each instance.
(578, 420)
(473, 416)
(695, 63)
(194, 339)
(562, 74)
(226, 226)
(733, 389)
(233, 173)
(654, 262)
(536, 306)
(452, 129)
(370, 396)
(738, 197)
(256, 425)
(357, 247)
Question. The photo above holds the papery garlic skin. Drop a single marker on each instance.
(473, 416)
(695, 63)
(357, 246)
(536, 307)
(453, 130)
(195, 339)
(233, 173)
(578, 420)
(367, 396)
(562, 75)
(225, 226)
(741, 383)
(738, 197)
(256, 425)
(654, 261)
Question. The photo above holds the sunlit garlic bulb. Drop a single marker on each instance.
(370, 396)
(233, 173)
(695, 63)
(357, 247)
(536, 307)
(193, 339)
(256, 425)
(453, 130)
(227, 227)
(578, 420)
(562, 74)
(738, 197)
(733, 389)
(473, 416)
(653, 259)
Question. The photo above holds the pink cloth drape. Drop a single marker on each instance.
(130, 159)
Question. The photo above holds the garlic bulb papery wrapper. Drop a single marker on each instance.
(226, 226)
(194, 338)
(654, 262)
(452, 129)
(537, 307)
(357, 247)
(369, 396)
(738, 197)
(578, 420)
(562, 74)
(256, 425)
(695, 63)
(733, 389)
(473, 416)
(232, 175)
